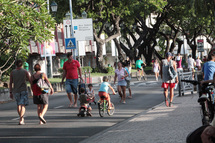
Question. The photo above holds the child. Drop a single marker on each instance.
(90, 93)
(103, 91)
(84, 102)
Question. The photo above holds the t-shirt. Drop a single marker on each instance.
(191, 63)
(71, 69)
(198, 62)
(19, 80)
(104, 87)
(120, 74)
(83, 99)
(138, 63)
(209, 70)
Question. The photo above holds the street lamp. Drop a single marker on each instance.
(49, 58)
(84, 14)
(67, 15)
(54, 6)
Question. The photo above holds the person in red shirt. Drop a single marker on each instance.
(70, 71)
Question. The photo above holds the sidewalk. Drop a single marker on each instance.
(160, 124)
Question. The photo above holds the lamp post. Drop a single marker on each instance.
(49, 58)
(84, 14)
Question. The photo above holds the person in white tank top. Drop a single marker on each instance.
(156, 68)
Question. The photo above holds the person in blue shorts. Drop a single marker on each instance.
(19, 90)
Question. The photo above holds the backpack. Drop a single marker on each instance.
(43, 85)
(171, 72)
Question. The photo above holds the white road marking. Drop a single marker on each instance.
(58, 107)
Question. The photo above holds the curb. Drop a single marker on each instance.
(120, 123)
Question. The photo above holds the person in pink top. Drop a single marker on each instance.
(70, 72)
(198, 63)
(178, 62)
(121, 73)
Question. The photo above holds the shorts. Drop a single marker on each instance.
(41, 99)
(105, 94)
(166, 85)
(22, 98)
(122, 83)
(139, 68)
(71, 85)
(128, 83)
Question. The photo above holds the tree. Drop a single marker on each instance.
(21, 21)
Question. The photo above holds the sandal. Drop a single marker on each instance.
(42, 119)
(166, 102)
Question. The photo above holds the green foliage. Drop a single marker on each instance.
(21, 21)
(110, 69)
(87, 69)
(95, 70)
(60, 70)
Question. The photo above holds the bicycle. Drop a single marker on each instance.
(103, 107)
(205, 100)
(141, 74)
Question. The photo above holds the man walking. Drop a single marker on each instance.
(167, 82)
(71, 68)
(19, 91)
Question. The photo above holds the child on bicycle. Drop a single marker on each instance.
(103, 91)
(91, 94)
(84, 101)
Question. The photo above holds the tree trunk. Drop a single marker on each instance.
(99, 58)
(121, 56)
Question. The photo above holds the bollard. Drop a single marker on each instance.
(85, 76)
(89, 76)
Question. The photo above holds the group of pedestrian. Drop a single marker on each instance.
(18, 87)
(19, 91)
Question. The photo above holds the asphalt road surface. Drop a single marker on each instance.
(63, 125)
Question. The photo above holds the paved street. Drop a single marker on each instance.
(63, 125)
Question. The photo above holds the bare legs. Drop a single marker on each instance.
(122, 94)
(41, 110)
(156, 75)
(69, 95)
(75, 97)
(130, 96)
(75, 100)
(171, 95)
(21, 112)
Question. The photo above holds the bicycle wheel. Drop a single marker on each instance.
(144, 75)
(138, 75)
(204, 113)
(111, 111)
(101, 109)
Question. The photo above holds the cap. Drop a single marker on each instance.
(168, 54)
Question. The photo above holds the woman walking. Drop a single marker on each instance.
(121, 73)
(38, 97)
(156, 68)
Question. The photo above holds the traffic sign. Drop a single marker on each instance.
(70, 43)
(83, 29)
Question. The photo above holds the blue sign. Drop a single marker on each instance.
(70, 43)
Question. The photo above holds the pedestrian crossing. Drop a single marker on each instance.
(136, 83)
